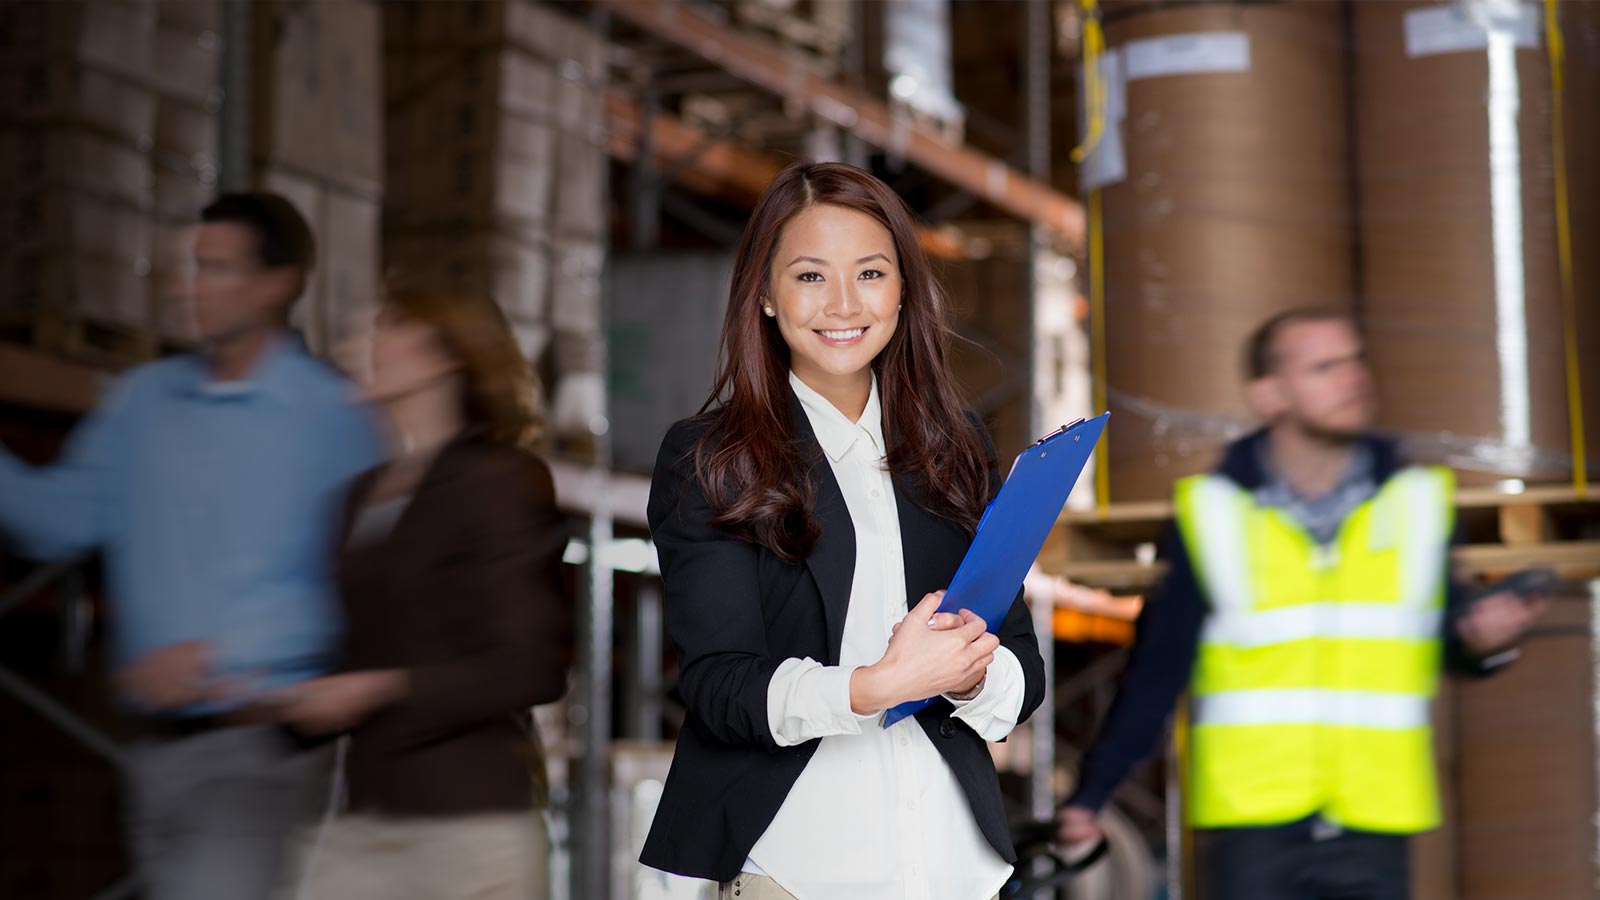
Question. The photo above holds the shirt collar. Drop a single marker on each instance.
(271, 377)
(1275, 491)
(835, 433)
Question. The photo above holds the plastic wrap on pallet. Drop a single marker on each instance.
(1394, 160)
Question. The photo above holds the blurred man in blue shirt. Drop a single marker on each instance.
(211, 482)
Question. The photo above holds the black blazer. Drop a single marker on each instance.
(735, 610)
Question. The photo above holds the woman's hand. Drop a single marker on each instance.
(340, 702)
(926, 657)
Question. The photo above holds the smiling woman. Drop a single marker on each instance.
(807, 522)
(829, 250)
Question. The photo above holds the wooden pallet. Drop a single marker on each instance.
(1544, 526)
(81, 338)
(38, 380)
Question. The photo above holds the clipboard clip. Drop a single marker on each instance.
(1058, 432)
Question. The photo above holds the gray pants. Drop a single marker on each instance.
(210, 815)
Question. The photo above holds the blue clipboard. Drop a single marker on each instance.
(1014, 528)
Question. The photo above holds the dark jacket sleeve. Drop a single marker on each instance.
(712, 602)
(1016, 633)
(514, 561)
(1159, 667)
(1459, 660)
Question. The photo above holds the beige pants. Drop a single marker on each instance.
(497, 856)
(757, 887)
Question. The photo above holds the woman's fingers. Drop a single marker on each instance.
(929, 604)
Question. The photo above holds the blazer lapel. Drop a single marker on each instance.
(833, 560)
(931, 547)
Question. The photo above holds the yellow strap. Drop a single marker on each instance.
(1097, 350)
(1094, 44)
(1557, 51)
(1094, 88)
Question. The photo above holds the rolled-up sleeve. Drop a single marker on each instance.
(808, 700)
(998, 706)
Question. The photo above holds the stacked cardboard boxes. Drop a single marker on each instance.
(318, 134)
(496, 174)
(107, 140)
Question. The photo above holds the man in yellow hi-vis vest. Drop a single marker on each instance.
(1307, 611)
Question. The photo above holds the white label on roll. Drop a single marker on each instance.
(1204, 53)
(1106, 164)
(1458, 27)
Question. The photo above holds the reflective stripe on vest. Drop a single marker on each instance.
(1312, 706)
(1311, 655)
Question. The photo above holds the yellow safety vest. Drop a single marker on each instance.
(1316, 663)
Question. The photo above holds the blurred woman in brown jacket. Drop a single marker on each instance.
(449, 568)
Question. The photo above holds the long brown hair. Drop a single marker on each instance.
(501, 393)
(748, 462)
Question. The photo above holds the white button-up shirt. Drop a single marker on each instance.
(876, 814)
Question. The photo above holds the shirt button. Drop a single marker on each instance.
(875, 493)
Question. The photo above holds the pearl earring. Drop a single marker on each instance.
(769, 310)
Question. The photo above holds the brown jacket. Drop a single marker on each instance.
(465, 594)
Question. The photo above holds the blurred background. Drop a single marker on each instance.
(1114, 194)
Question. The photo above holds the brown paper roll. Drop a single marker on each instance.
(1580, 24)
(1428, 257)
(1234, 208)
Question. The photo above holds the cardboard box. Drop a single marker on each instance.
(402, 25)
(504, 78)
(64, 220)
(580, 210)
(515, 272)
(319, 95)
(181, 193)
(577, 266)
(188, 133)
(77, 285)
(172, 283)
(187, 65)
(532, 337)
(60, 90)
(194, 16)
(499, 171)
(118, 35)
(348, 279)
(542, 29)
(306, 196)
(344, 286)
(32, 159)
(1527, 785)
